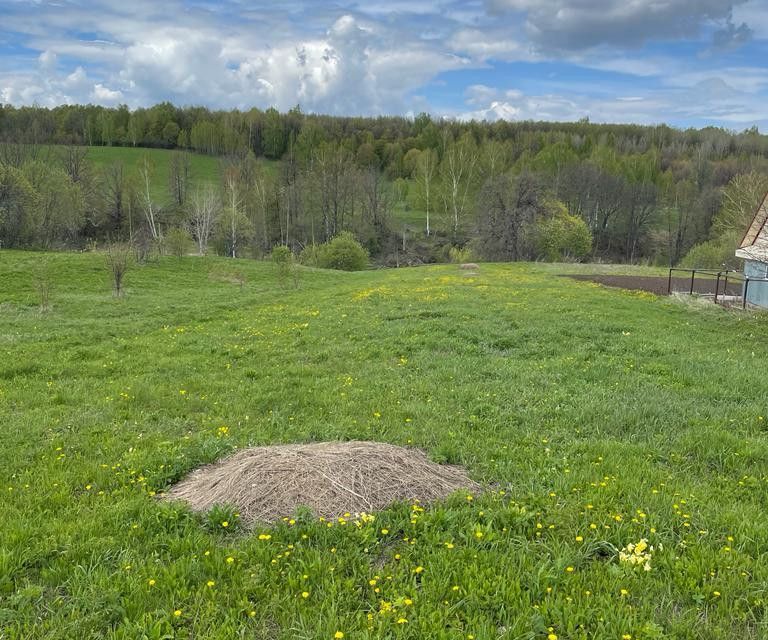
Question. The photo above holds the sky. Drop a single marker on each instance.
(687, 63)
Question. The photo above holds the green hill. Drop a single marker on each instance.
(203, 168)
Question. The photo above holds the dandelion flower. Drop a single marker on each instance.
(338, 635)
(177, 613)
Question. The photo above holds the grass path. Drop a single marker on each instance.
(599, 418)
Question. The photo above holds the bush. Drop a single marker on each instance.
(458, 255)
(285, 265)
(308, 255)
(562, 237)
(178, 242)
(714, 254)
(343, 252)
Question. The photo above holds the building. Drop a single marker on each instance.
(754, 251)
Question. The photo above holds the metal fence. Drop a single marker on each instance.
(718, 282)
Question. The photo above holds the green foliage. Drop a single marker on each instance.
(562, 236)
(343, 252)
(741, 198)
(286, 267)
(309, 255)
(718, 253)
(458, 255)
(178, 242)
(118, 260)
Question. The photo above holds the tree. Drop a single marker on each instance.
(458, 172)
(113, 189)
(507, 210)
(203, 213)
(560, 235)
(146, 169)
(426, 168)
(233, 221)
(118, 261)
(59, 208)
(17, 201)
(741, 198)
(179, 171)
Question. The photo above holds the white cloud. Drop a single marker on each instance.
(105, 95)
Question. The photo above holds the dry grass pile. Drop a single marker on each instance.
(329, 478)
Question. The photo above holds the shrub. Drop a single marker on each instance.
(714, 254)
(118, 260)
(285, 265)
(178, 242)
(308, 255)
(343, 252)
(459, 255)
(563, 236)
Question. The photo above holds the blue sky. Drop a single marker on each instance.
(682, 62)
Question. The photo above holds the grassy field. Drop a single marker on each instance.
(597, 419)
(204, 169)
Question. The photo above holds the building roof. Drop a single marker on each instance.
(754, 245)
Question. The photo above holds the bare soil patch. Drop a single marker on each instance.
(330, 478)
(659, 285)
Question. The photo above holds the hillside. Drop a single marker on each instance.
(596, 418)
(204, 169)
(499, 190)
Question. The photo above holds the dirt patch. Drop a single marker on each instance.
(659, 285)
(329, 478)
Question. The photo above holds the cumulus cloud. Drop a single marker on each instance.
(581, 24)
(373, 57)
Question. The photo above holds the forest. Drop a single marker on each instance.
(411, 190)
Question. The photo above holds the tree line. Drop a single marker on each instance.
(410, 189)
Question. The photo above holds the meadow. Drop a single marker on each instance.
(203, 169)
(621, 437)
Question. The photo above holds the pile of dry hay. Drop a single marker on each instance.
(330, 478)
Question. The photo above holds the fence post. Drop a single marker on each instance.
(744, 300)
(669, 283)
(693, 275)
(717, 285)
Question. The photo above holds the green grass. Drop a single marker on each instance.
(596, 417)
(204, 169)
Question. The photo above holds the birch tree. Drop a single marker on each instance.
(426, 167)
(146, 169)
(202, 217)
(458, 169)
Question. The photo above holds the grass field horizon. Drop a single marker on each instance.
(596, 418)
